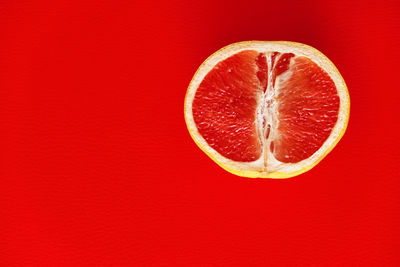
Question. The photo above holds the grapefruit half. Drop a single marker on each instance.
(267, 109)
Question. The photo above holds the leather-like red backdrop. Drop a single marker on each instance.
(97, 167)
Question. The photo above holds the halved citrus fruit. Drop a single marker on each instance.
(267, 109)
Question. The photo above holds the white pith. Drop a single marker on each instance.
(267, 163)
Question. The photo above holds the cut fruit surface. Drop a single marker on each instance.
(267, 109)
(224, 107)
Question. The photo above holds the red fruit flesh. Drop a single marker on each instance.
(308, 107)
(226, 101)
(262, 73)
(224, 107)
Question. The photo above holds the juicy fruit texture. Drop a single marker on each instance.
(308, 106)
(267, 109)
(225, 104)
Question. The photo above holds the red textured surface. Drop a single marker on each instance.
(226, 100)
(97, 167)
(224, 107)
(262, 73)
(308, 105)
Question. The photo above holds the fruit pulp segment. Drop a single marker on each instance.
(224, 107)
(308, 106)
(293, 89)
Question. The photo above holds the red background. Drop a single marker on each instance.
(97, 167)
